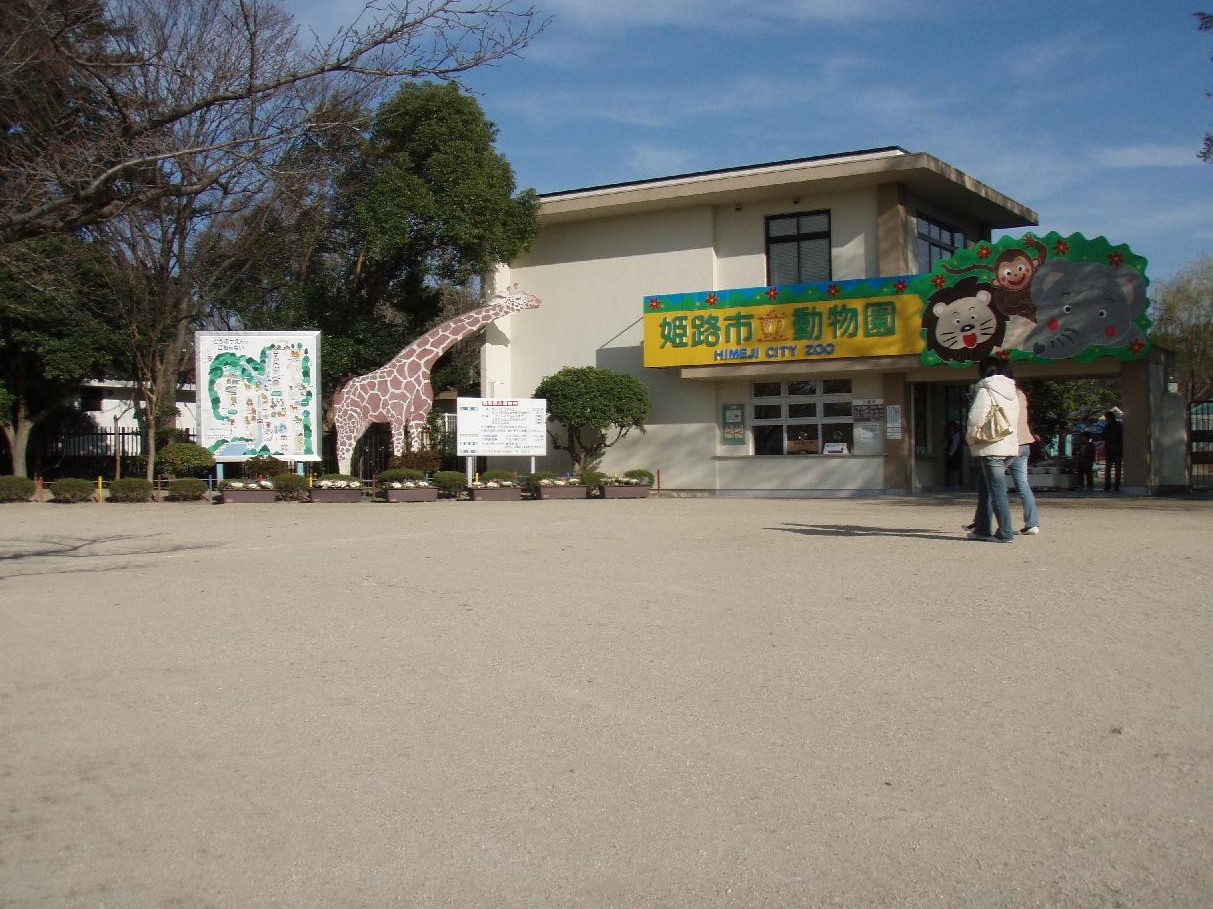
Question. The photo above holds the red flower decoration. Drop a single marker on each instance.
(1116, 258)
(939, 281)
(1061, 247)
(1002, 354)
(833, 290)
(772, 293)
(899, 287)
(983, 252)
(654, 303)
(1137, 345)
(711, 299)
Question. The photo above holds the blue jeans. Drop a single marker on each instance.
(992, 499)
(1019, 474)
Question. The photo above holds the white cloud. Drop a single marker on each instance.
(1146, 156)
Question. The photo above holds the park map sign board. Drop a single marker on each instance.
(1041, 299)
(501, 426)
(259, 394)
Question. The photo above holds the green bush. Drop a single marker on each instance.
(187, 489)
(131, 489)
(644, 476)
(450, 482)
(264, 466)
(490, 476)
(73, 489)
(425, 460)
(16, 489)
(185, 459)
(592, 477)
(292, 487)
(399, 475)
(532, 481)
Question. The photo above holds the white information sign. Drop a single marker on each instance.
(259, 394)
(501, 426)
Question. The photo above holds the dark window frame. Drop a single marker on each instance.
(800, 238)
(934, 240)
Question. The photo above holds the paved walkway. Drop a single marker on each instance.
(663, 703)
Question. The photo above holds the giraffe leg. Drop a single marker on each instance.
(398, 434)
(416, 434)
(350, 427)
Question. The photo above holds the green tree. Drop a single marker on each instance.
(1056, 405)
(396, 232)
(1182, 311)
(50, 338)
(596, 407)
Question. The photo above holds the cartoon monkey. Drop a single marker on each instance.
(1011, 277)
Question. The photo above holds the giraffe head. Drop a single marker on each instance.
(515, 299)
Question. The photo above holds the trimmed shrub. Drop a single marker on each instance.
(532, 481)
(425, 460)
(16, 489)
(131, 489)
(491, 475)
(450, 482)
(73, 489)
(592, 477)
(264, 466)
(399, 475)
(644, 476)
(292, 487)
(187, 489)
(185, 459)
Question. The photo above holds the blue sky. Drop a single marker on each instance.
(1089, 112)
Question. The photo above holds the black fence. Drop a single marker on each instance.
(1200, 444)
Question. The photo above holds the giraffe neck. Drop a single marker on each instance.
(438, 340)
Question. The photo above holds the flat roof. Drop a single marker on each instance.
(925, 174)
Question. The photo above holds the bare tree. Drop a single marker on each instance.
(152, 125)
(101, 100)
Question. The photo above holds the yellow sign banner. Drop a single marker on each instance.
(821, 321)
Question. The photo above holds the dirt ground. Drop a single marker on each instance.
(662, 703)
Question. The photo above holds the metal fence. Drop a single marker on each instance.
(1200, 444)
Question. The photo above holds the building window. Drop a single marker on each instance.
(936, 241)
(802, 417)
(92, 400)
(798, 248)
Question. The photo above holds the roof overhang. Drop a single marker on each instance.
(924, 174)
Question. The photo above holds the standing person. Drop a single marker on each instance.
(993, 456)
(1084, 458)
(1113, 449)
(1019, 465)
(953, 454)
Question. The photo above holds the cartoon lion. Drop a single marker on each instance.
(961, 322)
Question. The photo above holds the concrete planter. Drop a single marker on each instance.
(623, 492)
(422, 494)
(499, 494)
(316, 494)
(247, 496)
(562, 492)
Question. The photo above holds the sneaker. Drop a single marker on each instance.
(1029, 531)
(968, 527)
(973, 535)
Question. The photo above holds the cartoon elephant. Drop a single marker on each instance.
(1084, 304)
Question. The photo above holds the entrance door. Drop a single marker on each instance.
(937, 406)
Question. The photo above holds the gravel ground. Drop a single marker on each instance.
(663, 703)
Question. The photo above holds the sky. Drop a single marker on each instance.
(1090, 113)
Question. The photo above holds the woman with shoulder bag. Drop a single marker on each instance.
(993, 396)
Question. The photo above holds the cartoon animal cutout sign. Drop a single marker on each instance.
(399, 392)
(1036, 298)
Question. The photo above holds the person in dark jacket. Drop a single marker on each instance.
(1113, 449)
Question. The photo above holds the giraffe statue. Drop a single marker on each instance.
(399, 392)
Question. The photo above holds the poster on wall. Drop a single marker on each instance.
(259, 394)
(501, 426)
(1033, 298)
(732, 424)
